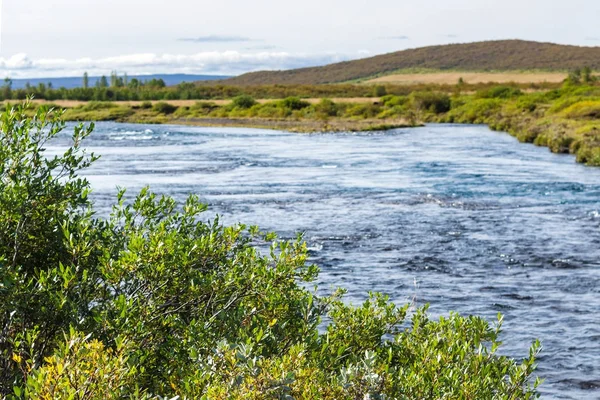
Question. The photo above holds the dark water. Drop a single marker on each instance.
(457, 216)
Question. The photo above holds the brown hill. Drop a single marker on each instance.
(501, 55)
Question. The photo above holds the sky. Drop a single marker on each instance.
(56, 38)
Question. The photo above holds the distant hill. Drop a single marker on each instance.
(73, 82)
(501, 55)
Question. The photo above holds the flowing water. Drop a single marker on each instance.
(456, 216)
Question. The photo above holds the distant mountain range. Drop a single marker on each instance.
(500, 55)
(73, 82)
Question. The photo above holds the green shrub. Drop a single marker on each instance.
(326, 108)
(527, 103)
(499, 92)
(550, 95)
(153, 301)
(49, 106)
(363, 111)
(588, 155)
(475, 111)
(393, 112)
(243, 101)
(146, 105)
(99, 112)
(80, 365)
(204, 106)
(43, 292)
(392, 101)
(97, 105)
(271, 110)
(379, 91)
(164, 108)
(458, 101)
(586, 91)
(583, 109)
(563, 103)
(294, 103)
(561, 144)
(182, 112)
(434, 102)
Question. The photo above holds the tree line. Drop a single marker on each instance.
(122, 88)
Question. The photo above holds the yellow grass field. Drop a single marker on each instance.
(471, 77)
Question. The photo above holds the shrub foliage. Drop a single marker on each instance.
(152, 302)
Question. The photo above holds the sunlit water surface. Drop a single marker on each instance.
(456, 216)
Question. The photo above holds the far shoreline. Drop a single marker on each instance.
(296, 126)
(564, 120)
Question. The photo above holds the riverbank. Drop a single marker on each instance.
(565, 120)
(300, 126)
(292, 114)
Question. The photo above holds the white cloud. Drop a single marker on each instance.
(215, 62)
(217, 39)
(18, 61)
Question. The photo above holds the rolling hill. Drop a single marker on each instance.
(501, 55)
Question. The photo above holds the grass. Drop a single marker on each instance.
(96, 111)
(440, 77)
(586, 109)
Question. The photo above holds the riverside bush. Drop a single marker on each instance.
(362, 111)
(99, 111)
(152, 302)
(393, 101)
(164, 108)
(475, 111)
(583, 110)
(294, 103)
(326, 108)
(434, 102)
(243, 101)
(204, 107)
(499, 92)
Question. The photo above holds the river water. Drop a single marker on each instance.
(456, 216)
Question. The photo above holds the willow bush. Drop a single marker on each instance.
(154, 302)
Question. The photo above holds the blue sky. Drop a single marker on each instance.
(43, 38)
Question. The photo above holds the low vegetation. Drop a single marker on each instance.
(154, 303)
(289, 113)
